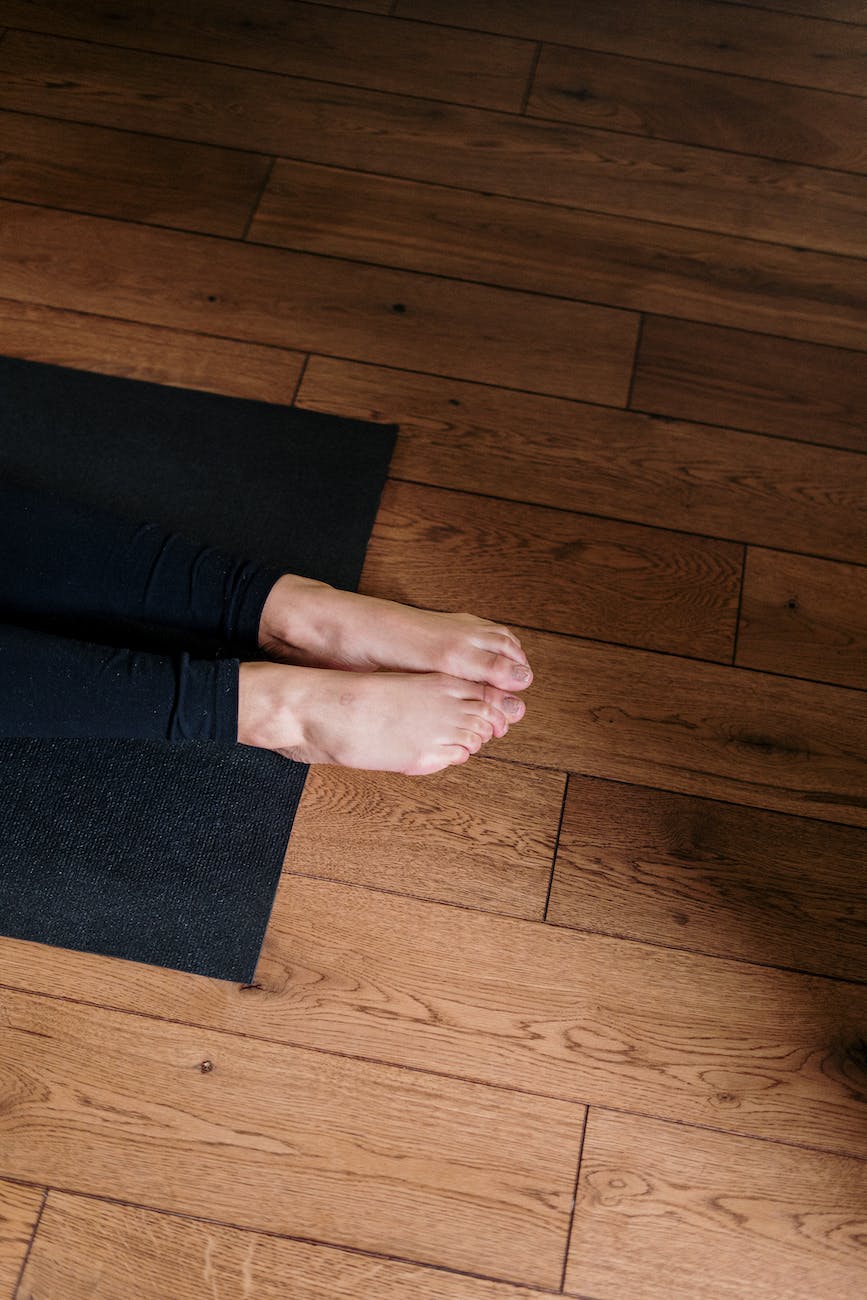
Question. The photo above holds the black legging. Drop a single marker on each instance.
(63, 560)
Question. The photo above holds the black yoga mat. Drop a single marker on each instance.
(158, 853)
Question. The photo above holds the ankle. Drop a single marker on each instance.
(285, 615)
(266, 719)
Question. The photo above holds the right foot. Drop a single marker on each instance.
(414, 723)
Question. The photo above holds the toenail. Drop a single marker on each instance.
(521, 673)
(511, 705)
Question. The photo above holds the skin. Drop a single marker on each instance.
(446, 692)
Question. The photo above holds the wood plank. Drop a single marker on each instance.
(88, 1248)
(515, 243)
(804, 617)
(162, 356)
(297, 300)
(91, 1248)
(351, 1152)
(561, 571)
(480, 836)
(615, 463)
(19, 1212)
(714, 109)
(694, 33)
(422, 139)
(776, 386)
(694, 728)
(445, 991)
(307, 40)
(667, 1201)
(120, 174)
(711, 877)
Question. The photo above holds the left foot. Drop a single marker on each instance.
(314, 625)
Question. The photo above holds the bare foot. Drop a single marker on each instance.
(415, 723)
(310, 623)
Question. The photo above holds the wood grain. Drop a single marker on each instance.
(563, 1016)
(88, 1247)
(516, 243)
(744, 114)
(19, 1212)
(120, 174)
(776, 386)
(307, 40)
(570, 573)
(480, 836)
(804, 616)
(621, 464)
(692, 33)
(296, 300)
(668, 1201)
(694, 728)
(258, 1134)
(583, 1017)
(711, 877)
(426, 140)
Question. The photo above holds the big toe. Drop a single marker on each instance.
(501, 671)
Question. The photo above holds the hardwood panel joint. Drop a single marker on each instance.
(556, 846)
(301, 375)
(534, 63)
(740, 606)
(638, 334)
(17, 1288)
(254, 206)
(574, 1199)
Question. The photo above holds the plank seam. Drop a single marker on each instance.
(23, 1269)
(531, 78)
(740, 606)
(556, 845)
(635, 355)
(254, 207)
(301, 375)
(581, 1145)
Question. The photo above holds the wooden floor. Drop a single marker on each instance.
(588, 1015)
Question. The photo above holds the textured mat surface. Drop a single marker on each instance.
(171, 854)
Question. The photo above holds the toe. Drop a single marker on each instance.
(469, 739)
(511, 707)
(506, 673)
(501, 641)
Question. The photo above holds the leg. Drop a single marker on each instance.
(62, 558)
(54, 686)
